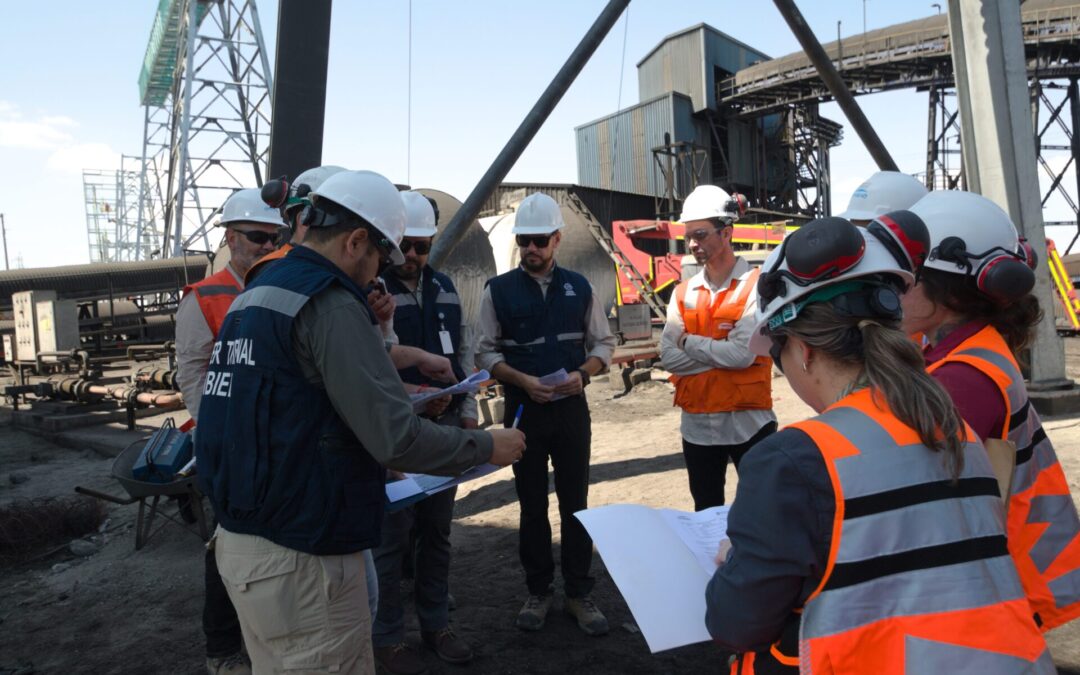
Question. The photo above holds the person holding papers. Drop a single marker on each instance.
(427, 315)
(870, 538)
(543, 334)
(724, 390)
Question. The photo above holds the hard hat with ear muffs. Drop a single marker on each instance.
(289, 197)
(973, 236)
(708, 202)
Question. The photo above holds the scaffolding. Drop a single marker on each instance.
(100, 199)
(205, 85)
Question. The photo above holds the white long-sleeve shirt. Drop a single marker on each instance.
(700, 353)
(194, 342)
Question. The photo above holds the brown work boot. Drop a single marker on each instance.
(589, 618)
(447, 645)
(533, 612)
(233, 664)
(400, 659)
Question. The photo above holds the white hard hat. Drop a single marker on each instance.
(371, 197)
(973, 236)
(309, 181)
(419, 215)
(707, 202)
(821, 254)
(883, 192)
(537, 214)
(247, 206)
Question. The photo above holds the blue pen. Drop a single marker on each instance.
(517, 416)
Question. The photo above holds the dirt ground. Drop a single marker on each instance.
(122, 611)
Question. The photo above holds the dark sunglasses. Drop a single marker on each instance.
(421, 247)
(539, 240)
(779, 341)
(259, 238)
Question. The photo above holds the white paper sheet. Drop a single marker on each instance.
(415, 483)
(660, 575)
(469, 385)
(402, 489)
(560, 376)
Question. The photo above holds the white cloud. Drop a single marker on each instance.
(75, 158)
(58, 121)
(18, 134)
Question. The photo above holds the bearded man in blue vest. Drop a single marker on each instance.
(427, 315)
(301, 412)
(544, 321)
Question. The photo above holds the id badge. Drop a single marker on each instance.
(447, 343)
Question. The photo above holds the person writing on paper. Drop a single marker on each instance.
(534, 321)
(429, 316)
(973, 302)
(724, 390)
(302, 409)
(871, 537)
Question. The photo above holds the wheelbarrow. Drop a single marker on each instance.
(142, 491)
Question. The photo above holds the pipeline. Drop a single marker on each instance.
(164, 379)
(85, 391)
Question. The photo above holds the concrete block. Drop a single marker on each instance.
(1059, 402)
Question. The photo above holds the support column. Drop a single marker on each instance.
(999, 145)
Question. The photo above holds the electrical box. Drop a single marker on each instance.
(26, 325)
(58, 326)
(9, 347)
(635, 321)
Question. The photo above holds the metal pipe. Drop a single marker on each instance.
(459, 226)
(835, 83)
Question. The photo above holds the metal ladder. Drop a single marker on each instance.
(623, 263)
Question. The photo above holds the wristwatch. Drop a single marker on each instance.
(584, 377)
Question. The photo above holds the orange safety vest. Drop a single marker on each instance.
(215, 293)
(1043, 527)
(276, 254)
(721, 389)
(918, 578)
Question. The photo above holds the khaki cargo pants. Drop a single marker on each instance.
(299, 613)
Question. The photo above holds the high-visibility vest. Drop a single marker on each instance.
(215, 293)
(260, 264)
(919, 578)
(1043, 527)
(721, 389)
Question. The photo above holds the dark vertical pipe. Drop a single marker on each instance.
(835, 83)
(458, 227)
(299, 99)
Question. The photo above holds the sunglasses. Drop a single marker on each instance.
(421, 247)
(779, 341)
(701, 234)
(539, 240)
(260, 238)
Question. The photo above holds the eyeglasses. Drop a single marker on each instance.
(701, 234)
(260, 238)
(421, 247)
(539, 240)
(779, 341)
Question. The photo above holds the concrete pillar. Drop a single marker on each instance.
(999, 145)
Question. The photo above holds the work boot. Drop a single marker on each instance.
(533, 613)
(233, 664)
(447, 645)
(589, 618)
(399, 659)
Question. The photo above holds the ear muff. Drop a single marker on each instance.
(1006, 278)
(312, 216)
(879, 302)
(822, 249)
(952, 249)
(1027, 253)
(275, 192)
(905, 236)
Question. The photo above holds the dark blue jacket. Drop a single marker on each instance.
(541, 335)
(418, 326)
(274, 458)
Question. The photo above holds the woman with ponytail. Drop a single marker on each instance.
(973, 303)
(871, 537)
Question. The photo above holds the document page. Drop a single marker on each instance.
(469, 385)
(555, 379)
(660, 575)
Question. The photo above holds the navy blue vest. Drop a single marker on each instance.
(274, 458)
(541, 335)
(418, 326)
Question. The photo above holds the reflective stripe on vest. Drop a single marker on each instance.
(918, 578)
(721, 389)
(1043, 526)
(215, 293)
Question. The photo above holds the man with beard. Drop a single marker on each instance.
(537, 320)
(427, 315)
(251, 231)
(723, 389)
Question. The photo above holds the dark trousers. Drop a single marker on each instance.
(430, 519)
(219, 621)
(706, 466)
(561, 430)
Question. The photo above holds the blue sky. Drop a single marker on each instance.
(69, 97)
